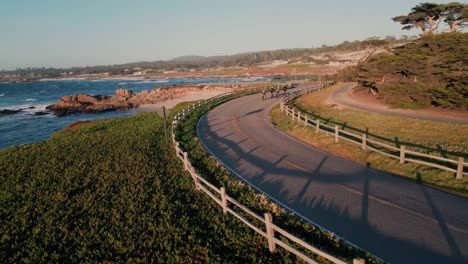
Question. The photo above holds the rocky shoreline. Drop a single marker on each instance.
(123, 99)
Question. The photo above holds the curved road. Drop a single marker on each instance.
(395, 219)
(342, 96)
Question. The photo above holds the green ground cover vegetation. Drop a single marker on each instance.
(113, 191)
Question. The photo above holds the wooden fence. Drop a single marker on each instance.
(401, 153)
(220, 195)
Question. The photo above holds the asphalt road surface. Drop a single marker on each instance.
(395, 219)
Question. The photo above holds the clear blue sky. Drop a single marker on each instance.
(64, 33)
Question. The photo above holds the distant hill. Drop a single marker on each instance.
(196, 62)
(432, 70)
(189, 58)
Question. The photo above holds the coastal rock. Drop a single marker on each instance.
(123, 100)
(123, 93)
(5, 112)
(41, 113)
(83, 103)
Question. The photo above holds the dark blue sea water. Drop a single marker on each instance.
(25, 127)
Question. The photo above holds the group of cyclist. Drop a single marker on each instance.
(274, 91)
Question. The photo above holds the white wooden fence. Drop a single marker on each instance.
(401, 153)
(268, 229)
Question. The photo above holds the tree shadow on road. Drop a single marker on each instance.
(311, 200)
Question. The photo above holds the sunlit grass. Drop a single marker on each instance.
(421, 135)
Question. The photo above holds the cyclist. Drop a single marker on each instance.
(272, 91)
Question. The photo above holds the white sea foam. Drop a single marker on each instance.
(26, 107)
(30, 100)
(1, 95)
(153, 81)
(28, 113)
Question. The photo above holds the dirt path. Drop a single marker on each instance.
(344, 97)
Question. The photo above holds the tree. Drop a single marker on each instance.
(456, 15)
(425, 16)
(371, 45)
(429, 16)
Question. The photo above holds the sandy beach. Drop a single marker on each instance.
(187, 97)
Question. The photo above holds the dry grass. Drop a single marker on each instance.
(427, 136)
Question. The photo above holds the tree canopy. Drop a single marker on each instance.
(428, 17)
(430, 71)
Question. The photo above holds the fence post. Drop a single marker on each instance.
(223, 200)
(317, 123)
(336, 133)
(186, 161)
(359, 261)
(402, 154)
(292, 114)
(306, 120)
(270, 232)
(460, 168)
(364, 142)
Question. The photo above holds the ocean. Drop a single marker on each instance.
(27, 127)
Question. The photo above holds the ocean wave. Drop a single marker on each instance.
(28, 111)
(122, 83)
(153, 81)
(161, 81)
(1, 95)
(30, 100)
(27, 107)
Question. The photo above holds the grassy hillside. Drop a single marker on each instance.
(112, 191)
(429, 71)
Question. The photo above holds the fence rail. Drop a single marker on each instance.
(401, 153)
(271, 231)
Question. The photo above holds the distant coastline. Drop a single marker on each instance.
(131, 78)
